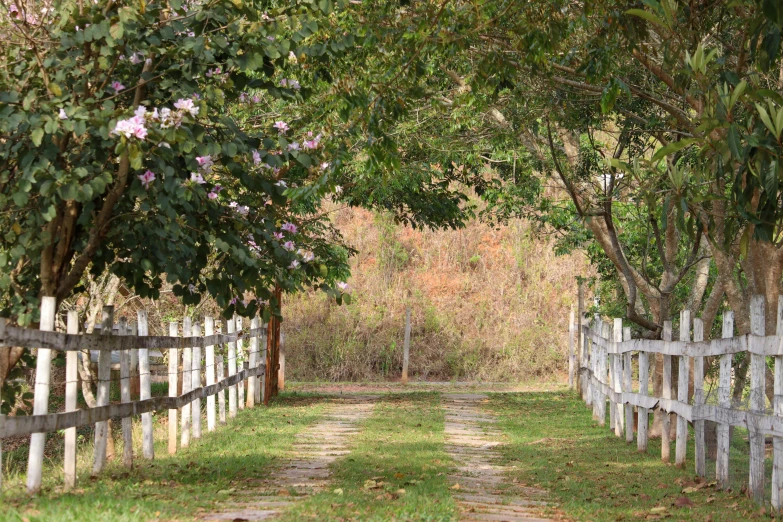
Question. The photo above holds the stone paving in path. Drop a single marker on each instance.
(308, 473)
(481, 478)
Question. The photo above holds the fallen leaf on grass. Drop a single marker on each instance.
(657, 510)
(399, 475)
(683, 502)
(338, 491)
(455, 486)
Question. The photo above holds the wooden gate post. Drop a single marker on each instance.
(71, 394)
(195, 383)
(698, 400)
(643, 413)
(627, 387)
(617, 380)
(580, 310)
(240, 363)
(680, 449)
(145, 389)
(187, 367)
(724, 401)
(777, 442)
(173, 374)
(281, 365)
(667, 393)
(125, 396)
(758, 368)
(102, 398)
(571, 356)
(43, 370)
(252, 382)
(221, 373)
(209, 366)
(232, 368)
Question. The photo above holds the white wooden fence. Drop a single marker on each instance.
(133, 338)
(608, 358)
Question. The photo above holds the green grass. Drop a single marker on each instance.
(195, 480)
(592, 475)
(396, 470)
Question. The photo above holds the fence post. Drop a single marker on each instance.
(628, 387)
(406, 346)
(596, 364)
(724, 401)
(587, 363)
(252, 382)
(145, 389)
(777, 442)
(240, 364)
(643, 414)
(681, 443)
(571, 356)
(187, 365)
(667, 394)
(757, 397)
(606, 375)
(71, 394)
(617, 379)
(232, 368)
(698, 400)
(281, 364)
(43, 370)
(173, 371)
(221, 373)
(102, 398)
(582, 341)
(209, 327)
(125, 396)
(195, 383)
(262, 379)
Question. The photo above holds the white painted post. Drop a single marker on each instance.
(43, 370)
(125, 396)
(71, 394)
(173, 374)
(252, 382)
(667, 394)
(627, 387)
(588, 357)
(724, 401)
(209, 327)
(195, 383)
(758, 368)
(643, 414)
(571, 361)
(406, 347)
(102, 398)
(281, 362)
(681, 443)
(240, 365)
(145, 389)
(232, 368)
(606, 372)
(581, 344)
(777, 442)
(262, 379)
(617, 380)
(698, 400)
(221, 372)
(596, 363)
(187, 365)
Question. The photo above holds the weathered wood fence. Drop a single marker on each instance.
(608, 359)
(203, 375)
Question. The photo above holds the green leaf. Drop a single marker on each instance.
(671, 148)
(641, 13)
(37, 136)
(765, 118)
(734, 142)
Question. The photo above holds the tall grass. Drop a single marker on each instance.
(487, 304)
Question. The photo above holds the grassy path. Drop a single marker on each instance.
(592, 475)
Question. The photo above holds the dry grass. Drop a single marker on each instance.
(487, 304)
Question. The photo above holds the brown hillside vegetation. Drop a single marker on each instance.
(487, 304)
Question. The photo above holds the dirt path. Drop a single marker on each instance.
(480, 494)
(307, 473)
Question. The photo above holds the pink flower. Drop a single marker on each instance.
(325, 165)
(289, 227)
(283, 82)
(212, 195)
(281, 127)
(147, 178)
(197, 178)
(233, 301)
(256, 157)
(311, 144)
(62, 114)
(243, 210)
(186, 105)
(192, 288)
(308, 256)
(205, 162)
(117, 86)
(294, 264)
(294, 146)
(294, 85)
(256, 99)
(132, 127)
(289, 245)
(278, 235)
(343, 286)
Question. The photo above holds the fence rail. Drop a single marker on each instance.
(605, 355)
(199, 362)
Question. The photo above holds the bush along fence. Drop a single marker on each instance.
(609, 359)
(203, 376)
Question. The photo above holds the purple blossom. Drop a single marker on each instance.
(212, 195)
(195, 177)
(243, 210)
(281, 127)
(308, 256)
(277, 235)
(132, 127)
(294, 146)
(289, 245)
(289, 227)
(343, 286)
(256, 99)
(205, 162)
(147, 178)
(256, 157)
(310, 144)
(117, 86)
(186, 105)
(325, 165)
(234, 301)
(62, 114)
(243, 97)
(191, 288)
(281, 183)
(294, 265)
